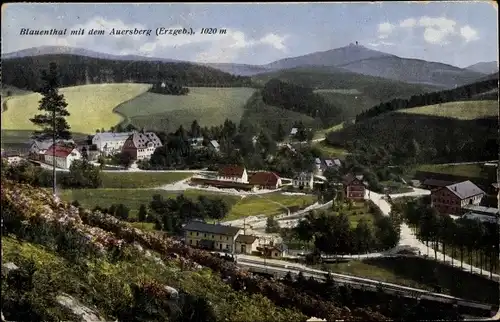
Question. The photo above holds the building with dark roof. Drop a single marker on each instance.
(211, 236)
(354, 187)
(233, 173)
(265, 180)
(141, 145)
(451, 199)
(435, 184)
(246, 244)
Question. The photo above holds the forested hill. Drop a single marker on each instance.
(75, 70)
(300, 99)
(466, 92)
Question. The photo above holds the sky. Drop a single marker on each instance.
(456, 33)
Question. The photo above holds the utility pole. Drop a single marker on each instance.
(54, 192)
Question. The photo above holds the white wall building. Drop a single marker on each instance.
(110, 143)
(304, 180)
(63, 155)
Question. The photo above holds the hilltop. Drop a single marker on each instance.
(489, 67)
(75, 70)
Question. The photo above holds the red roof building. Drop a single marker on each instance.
(265, 180)
(62, 154)
(354, 187)
(233, 173)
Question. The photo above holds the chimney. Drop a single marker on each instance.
(455, 188)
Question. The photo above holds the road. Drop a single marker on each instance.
(408, 238)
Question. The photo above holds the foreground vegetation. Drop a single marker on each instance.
(210, 106)
(92, 103)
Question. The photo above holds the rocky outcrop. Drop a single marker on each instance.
(85, 313)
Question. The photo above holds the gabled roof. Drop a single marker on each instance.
(465, 189)
(246, 239)
(317, 161)
(349, 178)
(211, 228)
(45, 144)
(231, 171)
(304, 176)
(293, 131)
(60, 150)
(337, 162)
(264, 178)
(329, 163)
(141, 140)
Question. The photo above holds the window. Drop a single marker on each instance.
(191, 233)
(197, 233)
(191, 241)
(204, 235)
(227, 246)
(227, 238)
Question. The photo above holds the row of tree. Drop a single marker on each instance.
(300, 99)
(170, 214)
(80, 70)
(457, 94)
(331, 231)
(455, 237)
(169, 88)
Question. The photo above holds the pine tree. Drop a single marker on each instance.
(52, 120)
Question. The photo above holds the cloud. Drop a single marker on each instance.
(199, 47)
(435, 30)
(408, 23)
(468, 33)
(385, 29)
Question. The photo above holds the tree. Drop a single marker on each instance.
(272, 225)
(52, 120)
(122, 212)
(143, 213)
(82, 174)
(363, 236)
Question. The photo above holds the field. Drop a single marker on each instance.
(132, 198)
(465, 170)
(91, 106)
(268, 204)
(125, 180)
(330, 151)
(466, 110)
(321, 133)
(209, 106)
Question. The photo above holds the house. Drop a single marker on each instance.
(303, 180)
(211, 236)
(435, 184)
(110, 143)
(481, 210)
(233, 173)
(272, 251)
(14, 159)
(354, 187)
(141, 145)
(63, 154)
(246, 244)
(214, 146)
(265, 180)
(317, 164)
(452, 198)
(196, 142)
(294, 131)
(38, 148)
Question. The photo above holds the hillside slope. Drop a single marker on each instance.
(351, 92)
(453, 132)
(100, 256)
(79, 70)
(489, 67)
(413, 71)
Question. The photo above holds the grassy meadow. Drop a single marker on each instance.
(91, 106)
(466, 170)
(465, 110)
(209, 106)
(124, 180)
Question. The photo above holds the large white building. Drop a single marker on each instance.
(303, 180)
(110, 143)
(63, 154)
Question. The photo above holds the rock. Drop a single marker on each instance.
(8, 267)
(85, 313)
(172, 292)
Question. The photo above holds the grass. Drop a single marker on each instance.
(100, 282)
(125, 180)
(209, 106)
(421, 273)
(91, 106)
(465, 110)
(465, 170)
(257, 113)
(330, 151)
(132, 198)
(321, 133)
(358, 211)
(19, 139)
